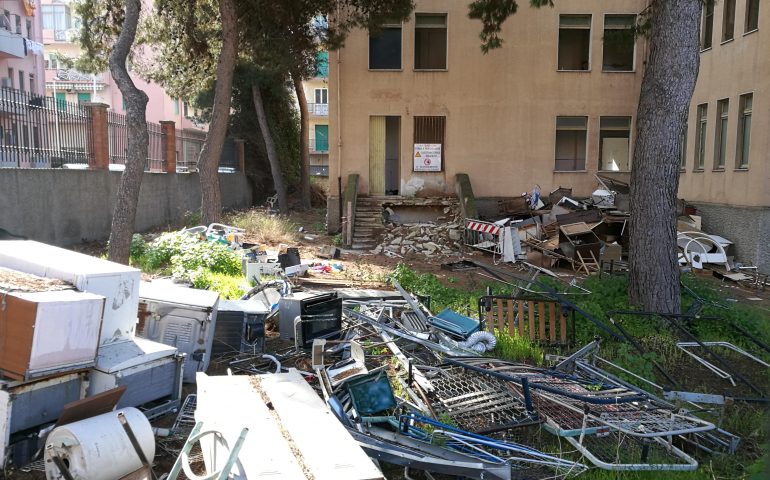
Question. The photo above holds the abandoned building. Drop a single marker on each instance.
(414, 104)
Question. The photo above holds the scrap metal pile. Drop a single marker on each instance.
(374, 372)
(412, 389)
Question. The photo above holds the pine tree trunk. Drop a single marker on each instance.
(208, 165)
(667, 88)
(272, 155)
(304, 166)
(124, 215)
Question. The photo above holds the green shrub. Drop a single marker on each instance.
(160, 251)
(229, 287)
(138, 247)
(184, 253)
(213, 256)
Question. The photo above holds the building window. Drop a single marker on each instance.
(5, 20)
(720, 139)
(728, 20)
(571, 133)
(385, 48)
(21, 80)
(700, 136)
(61, 101)
(752, 15)
(321, 143)
(574, 42)
(619, 43)
(29, 28)
(683, 147)
(185, 110)
(17, 19)
(614, 143)
(431, 130)
(322, 95)
(10, 78)
(32, 86)
(52, 63)
(176, 107)
(707, 29)
(430, 41)
(56, 17)
(84, 97)
(744, 130)
(322, 64)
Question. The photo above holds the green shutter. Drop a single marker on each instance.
(61, 100)
(322, 138)
(84, 97)
(322, 64)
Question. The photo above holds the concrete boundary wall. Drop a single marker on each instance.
(64, 207)
(747, 227)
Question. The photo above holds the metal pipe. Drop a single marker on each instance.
(135, 444)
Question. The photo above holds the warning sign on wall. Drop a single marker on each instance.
(427, 157)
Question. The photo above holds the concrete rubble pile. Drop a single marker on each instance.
(430, 239)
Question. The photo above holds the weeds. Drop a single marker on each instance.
(262, 227)
(517, 349)
(229, 287)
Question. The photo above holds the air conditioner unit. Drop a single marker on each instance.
(6, 82)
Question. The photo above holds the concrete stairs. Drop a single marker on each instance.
(368, 224)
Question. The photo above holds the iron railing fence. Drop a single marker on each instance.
(43, 132)
(188, 149)
(117, 133)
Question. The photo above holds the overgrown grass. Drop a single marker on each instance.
(517, 349)
(262, 227)
(229, 287)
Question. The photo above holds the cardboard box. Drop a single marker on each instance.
(46, 333)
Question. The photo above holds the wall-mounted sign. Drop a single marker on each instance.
(427, 157)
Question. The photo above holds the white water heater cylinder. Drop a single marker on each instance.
(99, 448)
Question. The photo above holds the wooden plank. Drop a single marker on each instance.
(520, 303)
(500, 317)
(531, 313)
(541, 321)
(562, 326)
(92, 406)
(490, 320)
(552, 321)
(511, 317)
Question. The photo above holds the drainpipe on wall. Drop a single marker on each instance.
(339, 125)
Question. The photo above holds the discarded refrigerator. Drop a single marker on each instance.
(181, 317)
(118, 350)
(48, 333)
(26, 406)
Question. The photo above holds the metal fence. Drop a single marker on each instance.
(188, 149)
(117, 132)
(43, 132)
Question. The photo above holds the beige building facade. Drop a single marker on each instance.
(317, 95)
(552, 107)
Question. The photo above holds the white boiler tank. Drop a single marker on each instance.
(98, 448)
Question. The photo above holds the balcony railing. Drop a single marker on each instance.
(319, 147)
(318, 109)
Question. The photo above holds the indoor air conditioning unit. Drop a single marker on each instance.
(6, 82)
